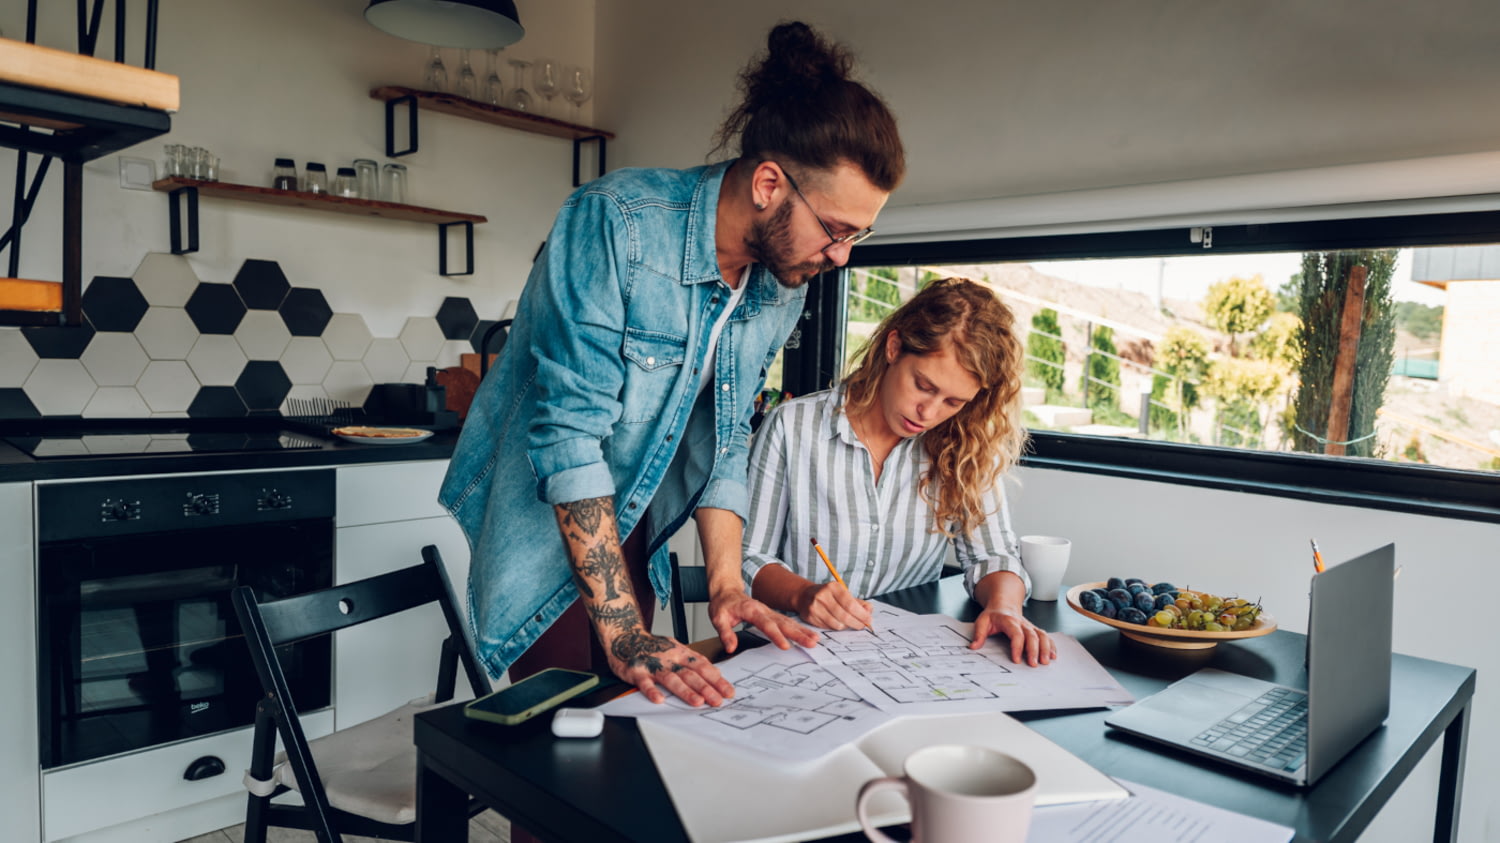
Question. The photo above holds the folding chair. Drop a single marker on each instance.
(360, 780)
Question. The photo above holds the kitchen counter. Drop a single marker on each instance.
(17, 466)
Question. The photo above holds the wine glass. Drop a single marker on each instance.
(494, 91)
(520, 98)
(468, 83)
(544, 78)
(436, 78)
(577, 87)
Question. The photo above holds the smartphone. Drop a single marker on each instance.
(531, 696)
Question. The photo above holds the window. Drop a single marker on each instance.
(1219, 362)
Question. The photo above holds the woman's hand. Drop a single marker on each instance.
(831, 606)
(1027, 642)
(653, 662)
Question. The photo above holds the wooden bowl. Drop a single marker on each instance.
(1177, 639)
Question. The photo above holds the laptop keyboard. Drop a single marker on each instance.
(1271, 731)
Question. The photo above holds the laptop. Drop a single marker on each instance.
(1286, 733)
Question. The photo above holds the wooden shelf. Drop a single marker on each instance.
(317, 201)
(486, 113)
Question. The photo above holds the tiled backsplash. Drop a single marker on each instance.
(164, 343)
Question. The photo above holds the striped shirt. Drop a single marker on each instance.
(810, 476)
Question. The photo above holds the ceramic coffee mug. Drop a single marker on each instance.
(959, 794)
(1045, 559)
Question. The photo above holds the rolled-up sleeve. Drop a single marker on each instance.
(992, 546)
(579, 318)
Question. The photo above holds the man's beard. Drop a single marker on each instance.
(767, 243)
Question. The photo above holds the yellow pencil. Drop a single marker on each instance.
(832, 570)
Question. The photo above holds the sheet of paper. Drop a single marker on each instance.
(885, 612)
(1149, 814)
(816, 798)
(785, 706)
(922, 664)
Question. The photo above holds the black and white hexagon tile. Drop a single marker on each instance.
(164, 342)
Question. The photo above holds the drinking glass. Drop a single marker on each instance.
(520, 98)
(468, 83)
(175, 165)
(367, 178)
(436, 78)
(544, 78)
(494, 91)
(577, 87)
(394, 187)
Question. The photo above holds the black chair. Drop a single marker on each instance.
(689, 585)
(503, 329)
(360, 780)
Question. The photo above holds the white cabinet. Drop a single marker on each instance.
(386, 514)
(20, 782)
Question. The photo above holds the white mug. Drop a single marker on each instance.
(959, 794)
(1045, 559)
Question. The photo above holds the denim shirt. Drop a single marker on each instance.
(596, 394)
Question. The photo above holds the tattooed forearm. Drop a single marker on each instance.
(640, 648)
(618, 617)
(606, 564)
(590, 514)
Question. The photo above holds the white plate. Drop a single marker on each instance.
(406, 436)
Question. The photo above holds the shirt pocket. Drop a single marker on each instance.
(653, 364)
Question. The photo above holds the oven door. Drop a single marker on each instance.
(140, 645)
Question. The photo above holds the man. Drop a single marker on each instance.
(621, 405)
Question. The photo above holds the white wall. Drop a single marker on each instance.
(282, 78)
(1256, 546)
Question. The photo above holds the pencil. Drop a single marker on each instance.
(832, 570)
(1317, 557)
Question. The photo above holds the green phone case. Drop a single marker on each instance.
(583, 682)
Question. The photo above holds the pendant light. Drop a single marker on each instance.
(479, 24)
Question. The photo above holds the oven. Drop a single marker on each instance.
(138, 642)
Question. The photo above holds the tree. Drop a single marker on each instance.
(1184, 357)
(1244, 388)
(1045, 352)
(1238, 306)
(1278, 342)
(1420, 320)
(1101, 377)
(877, 295)
(1325, 278)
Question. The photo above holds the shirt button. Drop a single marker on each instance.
(630, 505)
(725, 387)
(538, 618)
(714, 300)
(695, 370)
(669, 437)
(874, 528)
(869, 563)
(723, 450)
(650, 361)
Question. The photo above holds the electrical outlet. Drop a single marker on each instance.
(137, 173)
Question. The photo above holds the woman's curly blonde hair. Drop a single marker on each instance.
(969, 451)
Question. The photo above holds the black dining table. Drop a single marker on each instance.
(608, 789)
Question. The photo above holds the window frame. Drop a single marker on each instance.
(1346, 481)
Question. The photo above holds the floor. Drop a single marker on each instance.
(488, 827)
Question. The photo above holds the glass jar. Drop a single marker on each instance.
(367, 178)
(344, 183)
(393, 183)
(284, 174)
(315, 180)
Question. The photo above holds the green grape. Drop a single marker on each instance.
(1213, 626)
(1164, 618)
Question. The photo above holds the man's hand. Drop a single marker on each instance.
(652, 662)
(733, 608)
(1027, 642)
(831, 606)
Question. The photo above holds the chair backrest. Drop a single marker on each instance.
(503, 329)
(689, 585)
(269, 625)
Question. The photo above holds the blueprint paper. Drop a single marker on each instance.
(922, 664)
(785, 706)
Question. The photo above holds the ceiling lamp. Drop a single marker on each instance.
(449, 23)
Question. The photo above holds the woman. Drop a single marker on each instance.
(895, 466)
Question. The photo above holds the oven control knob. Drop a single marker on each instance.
(113, 510)
(275, 499)
(202, 505)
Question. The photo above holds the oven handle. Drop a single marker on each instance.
(204, 768)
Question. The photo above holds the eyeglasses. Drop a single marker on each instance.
(851, 239)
